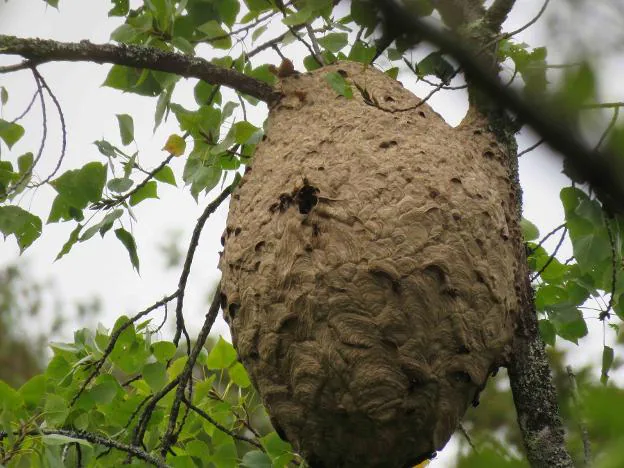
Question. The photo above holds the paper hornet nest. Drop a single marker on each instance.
(368, 270)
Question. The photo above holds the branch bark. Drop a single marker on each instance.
(534, 394)
(597, 167)
(38, 51)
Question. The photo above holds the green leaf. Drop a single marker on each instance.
(362, 52)
(120, 8)
(165, 175)
(128, 241)
(299, 17)
(393, 72)
(607, 362)
(239, 375)
(228, 10)
(73, 238)
(243, 131)
(221, 356)
(334, 41)
(149, 190)
(105, 389)
(4, 95)
(155, 375)
(275, 447)
(435, 64)
(103, 226)
(216, 35)
(256, 459)
(163, 350)
(10, 132)
(126, 128)
(258, 6)
(258, 32)
(60, 439)
(56, 409)
(10, 399)
(364, 13)
(568, 322)
(310, 63)
(120, 184)
(547, 331)
(133, 80)
(529, 230)
(77, 187)
(25, 226)
(32, 392)
(339, 84)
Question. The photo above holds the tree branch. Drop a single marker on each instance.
(497, 13)
(39, 51)
(596, 167)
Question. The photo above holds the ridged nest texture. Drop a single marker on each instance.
(368, 270)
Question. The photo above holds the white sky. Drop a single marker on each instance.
(101, 267)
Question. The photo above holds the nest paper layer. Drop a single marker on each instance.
(368, 270)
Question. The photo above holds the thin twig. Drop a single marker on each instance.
(606, 313)
(59, 110)
(582, 426)
(464, 432)
(113, 340)
(552, 256)
(168, 438)
(530, 148)
(113, 202)
(222, 428)
(133, 450)
(609, 128)
(545, 238)
(186, 269)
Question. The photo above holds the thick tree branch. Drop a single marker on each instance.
(38, 51)
(497, 13)
(597, 167)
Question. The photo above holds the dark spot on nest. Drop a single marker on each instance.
(259, 246)
(387, 144)
(306, 197)
(461, 377)
(223, 299)
(232, 310)
(389, 99)
(422, 114)
(342, 73)
(488, 154)
(237, 231)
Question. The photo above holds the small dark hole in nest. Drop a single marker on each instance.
(247, 169)
(389, 99)
(434, 193)
(223, 299)
(387, 144)
(342, 73)
(259, 246)
(306, 197)
(232, 310)
(237, 231)
(461, 377)
(422, 114)
(320, 168)
(488, 154)
(456, 180)
(316, 230)
(463, 350)
(477, 132)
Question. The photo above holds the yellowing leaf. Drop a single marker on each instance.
(421, 465)
(175, 145)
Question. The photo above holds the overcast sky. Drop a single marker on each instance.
(101, 267)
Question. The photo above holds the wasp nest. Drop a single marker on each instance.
(368, 269)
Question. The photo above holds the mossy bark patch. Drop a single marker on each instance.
(368, 270)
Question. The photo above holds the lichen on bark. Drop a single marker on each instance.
(368, 269)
